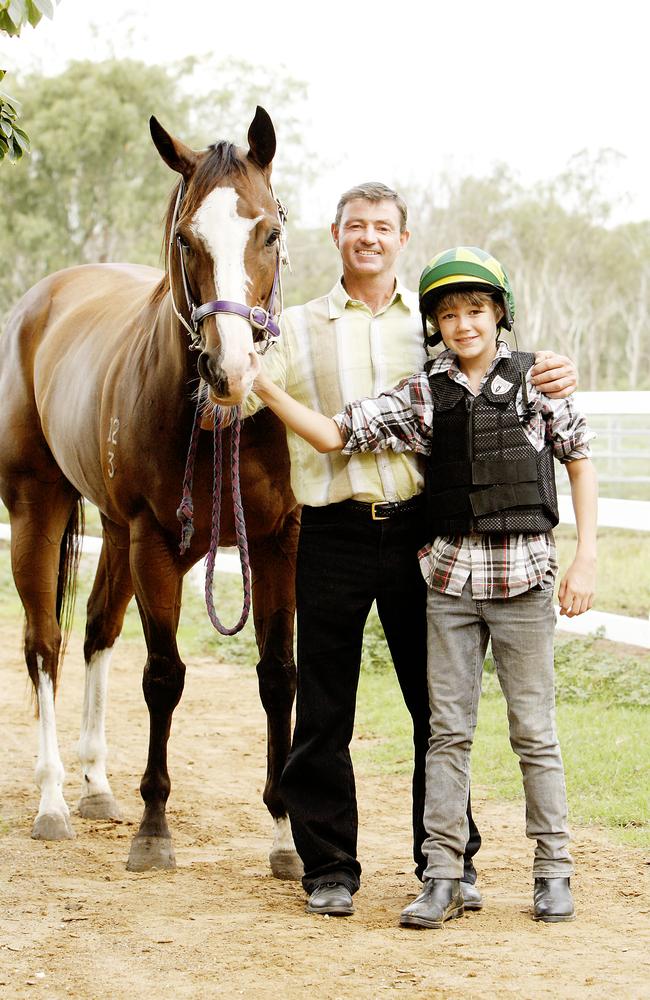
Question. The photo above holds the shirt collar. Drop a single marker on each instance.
(338, 299)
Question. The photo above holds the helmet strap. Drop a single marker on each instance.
(522, 373)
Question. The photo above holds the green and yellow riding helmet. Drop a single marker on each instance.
(462, 269)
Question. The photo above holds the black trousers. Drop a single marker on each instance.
(345, 562)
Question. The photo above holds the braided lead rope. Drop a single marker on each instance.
(185, 512)
(240, 526)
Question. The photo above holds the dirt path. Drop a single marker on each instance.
(73, 922)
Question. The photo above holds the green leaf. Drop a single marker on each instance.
(3, 73)
(21, 139)
(17, 12)
(7, 25)
(45, 6)
(6, 127)
(9, 104)
(33, 13)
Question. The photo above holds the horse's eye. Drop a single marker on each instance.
(272, 237)
(183, 244)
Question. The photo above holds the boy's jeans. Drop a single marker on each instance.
(521, 629)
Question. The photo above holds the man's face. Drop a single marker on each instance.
(369, 238)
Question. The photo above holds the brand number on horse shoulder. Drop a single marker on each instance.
(112, 439)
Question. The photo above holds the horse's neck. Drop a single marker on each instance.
(169, 343)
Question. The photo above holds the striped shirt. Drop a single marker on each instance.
(501, 565)
(333, 349)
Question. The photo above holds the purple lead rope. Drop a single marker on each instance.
(185, 514)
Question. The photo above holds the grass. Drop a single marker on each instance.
(623, 584)
(605, 746)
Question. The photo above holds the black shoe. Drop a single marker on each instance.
(552, 900)
(471, 896)
(440, 900)
(331, 898)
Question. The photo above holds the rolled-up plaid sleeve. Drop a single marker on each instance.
(568, 430)
(399, 419)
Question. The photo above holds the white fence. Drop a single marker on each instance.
(612, 451)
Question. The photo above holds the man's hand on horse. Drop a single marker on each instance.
(554, 375)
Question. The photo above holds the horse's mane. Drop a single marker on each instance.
(219, 161)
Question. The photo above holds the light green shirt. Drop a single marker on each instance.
(333, 351)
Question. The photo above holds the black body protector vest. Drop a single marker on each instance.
(484, 475)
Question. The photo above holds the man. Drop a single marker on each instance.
(362, 525)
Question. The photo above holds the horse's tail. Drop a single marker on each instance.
(66, 587)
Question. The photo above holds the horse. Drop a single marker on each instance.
(100, 369)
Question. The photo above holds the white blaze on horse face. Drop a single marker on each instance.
(92, 741)
(50, 774)
(225, 235)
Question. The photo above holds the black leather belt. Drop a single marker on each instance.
(381, 511)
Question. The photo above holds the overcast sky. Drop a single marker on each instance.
(400, 90)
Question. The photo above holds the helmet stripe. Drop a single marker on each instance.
(452, 269)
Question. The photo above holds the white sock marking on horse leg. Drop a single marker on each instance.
(50, 774)
(282, 836)
(92, 748)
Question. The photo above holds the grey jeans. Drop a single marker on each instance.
(521, 630)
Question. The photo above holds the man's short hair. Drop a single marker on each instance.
(372, 191)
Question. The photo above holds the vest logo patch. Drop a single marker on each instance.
(500, 386)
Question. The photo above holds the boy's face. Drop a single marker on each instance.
(469, 329)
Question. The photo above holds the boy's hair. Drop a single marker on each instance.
(465, 296)
(372, 191)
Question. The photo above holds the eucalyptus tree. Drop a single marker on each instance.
(93, 188)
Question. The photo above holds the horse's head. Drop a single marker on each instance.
(223, 233)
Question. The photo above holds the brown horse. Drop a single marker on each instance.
(100, 370)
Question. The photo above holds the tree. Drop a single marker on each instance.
(94, 187)
(582, 287)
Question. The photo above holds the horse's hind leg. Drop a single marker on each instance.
(41, 515)
(112, 590)
(273, 573)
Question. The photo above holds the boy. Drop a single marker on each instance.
(490, 567)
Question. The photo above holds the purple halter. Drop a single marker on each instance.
(259, 318)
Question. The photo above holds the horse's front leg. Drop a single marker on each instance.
(273, 575)
(158, 587)
(107, 604)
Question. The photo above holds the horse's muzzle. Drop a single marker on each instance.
(210, 370)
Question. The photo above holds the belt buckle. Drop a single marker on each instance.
(375, 516)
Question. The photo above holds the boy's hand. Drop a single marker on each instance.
(554, 375)
(577, 586)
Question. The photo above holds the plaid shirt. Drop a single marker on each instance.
(502, 565)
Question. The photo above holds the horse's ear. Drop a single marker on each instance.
(175, 153)
(261, 139)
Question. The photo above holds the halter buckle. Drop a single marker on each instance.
(256, 323)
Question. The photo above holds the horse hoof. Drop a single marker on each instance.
(286, 865)
(151, 852)
(52, 826)
(100, 806)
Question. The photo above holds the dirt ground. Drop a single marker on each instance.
(74, 922)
